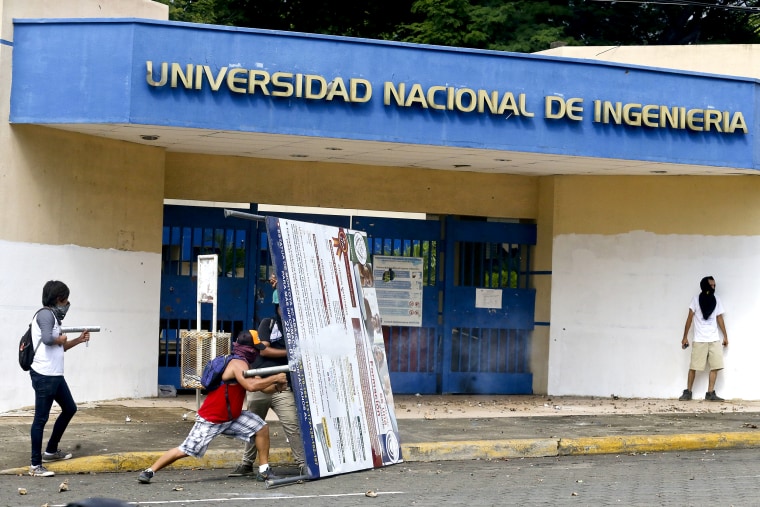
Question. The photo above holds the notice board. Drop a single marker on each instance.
(335, 346)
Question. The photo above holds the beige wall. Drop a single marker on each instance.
(77, 189)
(628, 253)
(239, 179)
(700, 205)
(10, 9)
(87, 211)
(627, 257)
(542, 262)
(729, 60)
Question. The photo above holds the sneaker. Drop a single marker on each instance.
(242, 470)
(40, 471)
(711, 396)
(266, 475)
(686, 396)
(58, 455)
(145, 476)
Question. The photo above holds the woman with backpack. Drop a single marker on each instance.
(47, 376)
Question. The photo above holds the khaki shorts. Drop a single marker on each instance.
(706, 354)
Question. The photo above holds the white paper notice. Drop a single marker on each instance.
(488, 298)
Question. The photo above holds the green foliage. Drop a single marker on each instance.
(194, 11)
(427, 250)
(522, 25)
(500, 280)
(530, 26)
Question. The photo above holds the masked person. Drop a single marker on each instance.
(47, 376)
(706, 313)
(222, 413)
(282, 402)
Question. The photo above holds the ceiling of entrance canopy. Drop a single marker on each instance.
(343, 151)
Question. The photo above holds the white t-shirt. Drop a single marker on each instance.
(48, 360)
(706, 330)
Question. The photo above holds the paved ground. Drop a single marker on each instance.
(698, 478)
(124, 435)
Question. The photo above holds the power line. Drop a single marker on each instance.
(686, 3)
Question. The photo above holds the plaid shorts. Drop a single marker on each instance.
(203, 432)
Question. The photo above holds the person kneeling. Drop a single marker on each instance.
(221, 414)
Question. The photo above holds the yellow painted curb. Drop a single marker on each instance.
(134, 461)
(433, 451)
(655, 443)
(480, 449)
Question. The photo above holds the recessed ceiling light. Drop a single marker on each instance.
(149, 138)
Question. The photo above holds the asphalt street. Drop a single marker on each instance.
(129, 435)
(698, 478)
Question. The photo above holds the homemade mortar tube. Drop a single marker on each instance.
(240, 214)
(273, 483)
(81, 329)
(265, 372)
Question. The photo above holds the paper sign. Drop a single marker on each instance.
(488, 298)
(398, 282)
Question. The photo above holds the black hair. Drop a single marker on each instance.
(54, 291)
(707, 301)
(244, 338)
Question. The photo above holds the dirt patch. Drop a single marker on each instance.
(458, 406)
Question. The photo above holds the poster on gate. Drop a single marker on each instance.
(336, 352)
(398, 285)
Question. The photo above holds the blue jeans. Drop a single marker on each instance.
(48, 389)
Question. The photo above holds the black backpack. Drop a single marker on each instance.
(25, 350)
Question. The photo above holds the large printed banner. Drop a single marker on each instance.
(335, 347)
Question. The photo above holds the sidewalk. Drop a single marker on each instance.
(128, 435)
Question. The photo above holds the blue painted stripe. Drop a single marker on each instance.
(542, 324)
(5, 42)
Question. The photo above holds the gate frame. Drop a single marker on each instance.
(429, 348)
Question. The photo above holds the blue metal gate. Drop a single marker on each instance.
(488, 310)
(413, 353)
(187, 233)
(467, 342)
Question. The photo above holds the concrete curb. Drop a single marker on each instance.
(434, 451)
(658, 443)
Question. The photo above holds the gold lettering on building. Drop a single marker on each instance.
(449, 98)
(438, 97)
(673, 117)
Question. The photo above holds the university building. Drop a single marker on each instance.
(566, 204)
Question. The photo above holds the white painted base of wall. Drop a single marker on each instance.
(116, 290)
(620, 302)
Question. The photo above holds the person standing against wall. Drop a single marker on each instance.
(47, 376)
(706, 313)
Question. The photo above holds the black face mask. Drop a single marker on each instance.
(60, 311)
